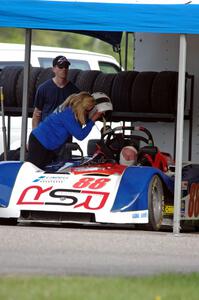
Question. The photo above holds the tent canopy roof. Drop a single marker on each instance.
(101, 15)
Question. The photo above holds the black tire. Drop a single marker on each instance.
(34, 73)
(85, 80)
(8, 80)
(140, 100)
(44, 75)
(121, 90)
(103, 83)
(164, 92)
(155, 203)
(72, 75)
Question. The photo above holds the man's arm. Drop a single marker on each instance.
(36, 117)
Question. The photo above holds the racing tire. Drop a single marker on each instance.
(44, 75)
(141, 92)
(164, 92)
(103, 83)
(72, 75)
(85, 80)
(34, 73)
(155, 203)
(121, 90)
(8, 80)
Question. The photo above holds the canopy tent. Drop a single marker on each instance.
(101, 15)
(112, 16)
(111, 37)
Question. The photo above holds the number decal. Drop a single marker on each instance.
(83, 183)
(87, 182)
(196, 204)
(99, 183)
(193, 208)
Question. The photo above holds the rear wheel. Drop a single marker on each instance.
(155, 202)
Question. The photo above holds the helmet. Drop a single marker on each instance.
(103, 102)
(128, 156)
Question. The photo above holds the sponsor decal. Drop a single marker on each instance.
(50, 179)
(193, 205)
(184, 188)
(168, 209)
(138, 215)
(135, 215)
(144, 215)
(183, 208)
(77, 197)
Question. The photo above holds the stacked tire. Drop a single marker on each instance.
(130, 91)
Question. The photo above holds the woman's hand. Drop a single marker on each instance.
(97, 115)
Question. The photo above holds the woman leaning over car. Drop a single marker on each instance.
(71, 119)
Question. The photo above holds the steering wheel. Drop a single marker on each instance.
(110, 134)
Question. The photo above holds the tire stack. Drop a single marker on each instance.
(130, 91)
(8, 80)
(11, 79)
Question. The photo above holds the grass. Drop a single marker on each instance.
(162, 287)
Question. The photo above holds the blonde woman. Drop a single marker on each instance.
(71, 120)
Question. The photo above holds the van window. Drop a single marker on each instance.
(46, 62)
(79, 64)
(107, 67)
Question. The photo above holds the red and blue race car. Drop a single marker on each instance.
(98, 189)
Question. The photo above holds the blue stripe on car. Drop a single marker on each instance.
(132, 193)
(8, 175)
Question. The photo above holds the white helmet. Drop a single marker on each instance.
(103, 102)
(128, 156)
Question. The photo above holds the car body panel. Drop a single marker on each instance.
(97, 189)
(110, 193)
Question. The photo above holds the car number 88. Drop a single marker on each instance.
(193, 208)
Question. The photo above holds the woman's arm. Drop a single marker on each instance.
(74, 127)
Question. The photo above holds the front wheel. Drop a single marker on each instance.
(155, 202)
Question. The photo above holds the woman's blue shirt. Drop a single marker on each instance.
(55, 130)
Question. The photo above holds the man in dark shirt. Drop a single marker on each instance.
(53, 92)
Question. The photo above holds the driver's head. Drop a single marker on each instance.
(128, 156)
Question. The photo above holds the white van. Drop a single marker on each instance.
(13, 55)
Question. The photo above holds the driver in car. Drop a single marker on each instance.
(128, 156)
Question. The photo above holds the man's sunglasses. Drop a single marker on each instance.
(63, 67)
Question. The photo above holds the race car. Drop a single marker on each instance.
(98, 189)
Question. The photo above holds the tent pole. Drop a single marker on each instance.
(126, 51)
(179, 133)
(25, 93)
